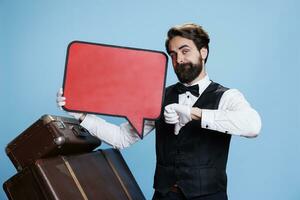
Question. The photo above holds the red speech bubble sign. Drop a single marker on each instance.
(114, 80)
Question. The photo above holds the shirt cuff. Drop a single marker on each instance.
(207, 119)
(90, 120)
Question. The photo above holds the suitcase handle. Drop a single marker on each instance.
(79, 131)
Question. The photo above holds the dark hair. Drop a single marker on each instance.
(190, 31)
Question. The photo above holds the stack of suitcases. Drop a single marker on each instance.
(56, 160)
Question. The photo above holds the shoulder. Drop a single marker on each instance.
(227, 91)
(233, 98)
(233, 93)
(217, 88)
(228, 94)
(170, 88)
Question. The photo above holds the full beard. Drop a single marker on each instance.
(187, 72)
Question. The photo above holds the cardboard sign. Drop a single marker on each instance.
(114, 80)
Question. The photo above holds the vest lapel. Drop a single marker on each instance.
(172, 96)
(211, 87)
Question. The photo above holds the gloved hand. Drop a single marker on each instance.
(171, 116)
(61, 101)
(177, 114)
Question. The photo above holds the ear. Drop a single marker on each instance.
(203, 52)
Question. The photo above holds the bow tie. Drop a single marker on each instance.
(194, 90)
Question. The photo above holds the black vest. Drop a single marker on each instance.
(196, 158)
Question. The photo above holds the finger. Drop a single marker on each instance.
(60, 99)
(60, 92)
(169, 108)
(62, 103)
(166, 114)
(171, 116)
(169, 111)
(172, 120)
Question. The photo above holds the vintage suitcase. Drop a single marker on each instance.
(98, 175)
(23, 186)
(50, 136)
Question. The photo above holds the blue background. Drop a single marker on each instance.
(254, 48)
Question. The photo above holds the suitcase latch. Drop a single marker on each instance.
(59, 124)
(80, 131)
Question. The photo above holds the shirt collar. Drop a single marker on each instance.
(203, 83)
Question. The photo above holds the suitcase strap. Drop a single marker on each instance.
(118, 176)
(75, 178)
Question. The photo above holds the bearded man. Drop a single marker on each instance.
(193, 134)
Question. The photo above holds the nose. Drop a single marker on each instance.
(180, 58)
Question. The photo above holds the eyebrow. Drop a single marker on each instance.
(181, 47)
(185, 45)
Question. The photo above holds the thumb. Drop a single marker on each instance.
(177, 129)
(60, 92)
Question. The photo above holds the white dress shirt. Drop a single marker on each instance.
(233, 116)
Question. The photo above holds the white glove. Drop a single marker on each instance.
(61, 101)
(171, 117)
(177, 114)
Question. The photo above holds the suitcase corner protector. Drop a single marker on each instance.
(46, 118)
(7, 150)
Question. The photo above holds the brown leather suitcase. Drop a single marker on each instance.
(98, 175)
(23, 186)
(50, 136)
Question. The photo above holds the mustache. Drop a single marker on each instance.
(184, 65)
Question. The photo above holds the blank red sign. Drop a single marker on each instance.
(114, 80)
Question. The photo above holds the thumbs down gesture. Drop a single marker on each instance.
(177, 114)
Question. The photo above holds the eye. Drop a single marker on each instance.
(185, 51)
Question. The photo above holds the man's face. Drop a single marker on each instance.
(186, 59)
